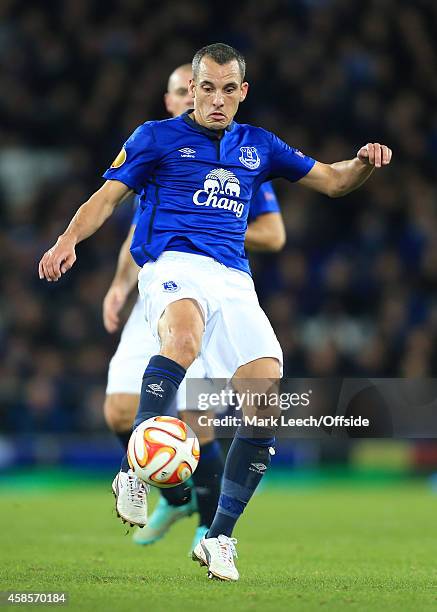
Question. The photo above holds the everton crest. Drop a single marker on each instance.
(170, 286)
(249, 157)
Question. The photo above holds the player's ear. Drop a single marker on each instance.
(244, 90)
(167, 103)
(191, 88)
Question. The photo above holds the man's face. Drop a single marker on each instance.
(217, 93)
(178, 99)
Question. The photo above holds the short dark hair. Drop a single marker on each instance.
(221, 54)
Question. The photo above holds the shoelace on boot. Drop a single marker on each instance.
(137, 490)
(227, 549)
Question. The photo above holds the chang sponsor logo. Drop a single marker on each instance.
(221, 189)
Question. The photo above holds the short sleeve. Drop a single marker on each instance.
(136, 160)
(287, 162)
(263, 202)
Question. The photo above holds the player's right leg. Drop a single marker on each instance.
(126, 368)
(180, 329)
(175, 503)
(204, 499)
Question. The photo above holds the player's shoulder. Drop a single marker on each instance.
(255, 132)
(155, 128)
(266, 193)
(266, 187)
(165, 124)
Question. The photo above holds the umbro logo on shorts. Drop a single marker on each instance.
(155, 389)
(170, 286)
(187, 152)
(260, 468)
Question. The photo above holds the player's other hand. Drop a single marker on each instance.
(114, 301)
(58, 260)
(375, 154)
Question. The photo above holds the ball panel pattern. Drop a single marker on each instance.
(163, 451)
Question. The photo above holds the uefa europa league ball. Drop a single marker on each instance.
(163, 451)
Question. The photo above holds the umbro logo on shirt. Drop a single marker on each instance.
(187, 152)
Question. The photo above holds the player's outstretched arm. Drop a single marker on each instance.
(266, 233)
(87, 220)
(125, 278)
(340, 178)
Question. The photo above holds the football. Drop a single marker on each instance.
(163, 451)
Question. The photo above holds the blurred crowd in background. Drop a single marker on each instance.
(352, 293)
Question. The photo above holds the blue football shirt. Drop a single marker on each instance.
(195, 187)
(137, 211)
(264, 201)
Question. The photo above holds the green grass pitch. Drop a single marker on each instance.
(337, 547)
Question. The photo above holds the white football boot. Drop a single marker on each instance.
(218, 555)
(131, 498)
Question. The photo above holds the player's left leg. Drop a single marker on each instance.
(247, 461)
(243, 345)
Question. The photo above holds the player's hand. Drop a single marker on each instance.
(375, 154)
(57, 260)
(114, 301)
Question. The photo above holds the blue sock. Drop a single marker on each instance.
(161, 381)
(177, 496)
(246, 463)
(123, 437)
(207, 481)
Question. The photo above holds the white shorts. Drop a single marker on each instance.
(137, 345)
(237, 330)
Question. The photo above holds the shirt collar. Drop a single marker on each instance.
(213, 134)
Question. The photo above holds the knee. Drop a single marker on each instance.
(205, 438)
(181, 345)
(204, 433)
(119, 410)
(262, 437)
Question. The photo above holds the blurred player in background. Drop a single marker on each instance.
(137, 345)
(195, 276)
